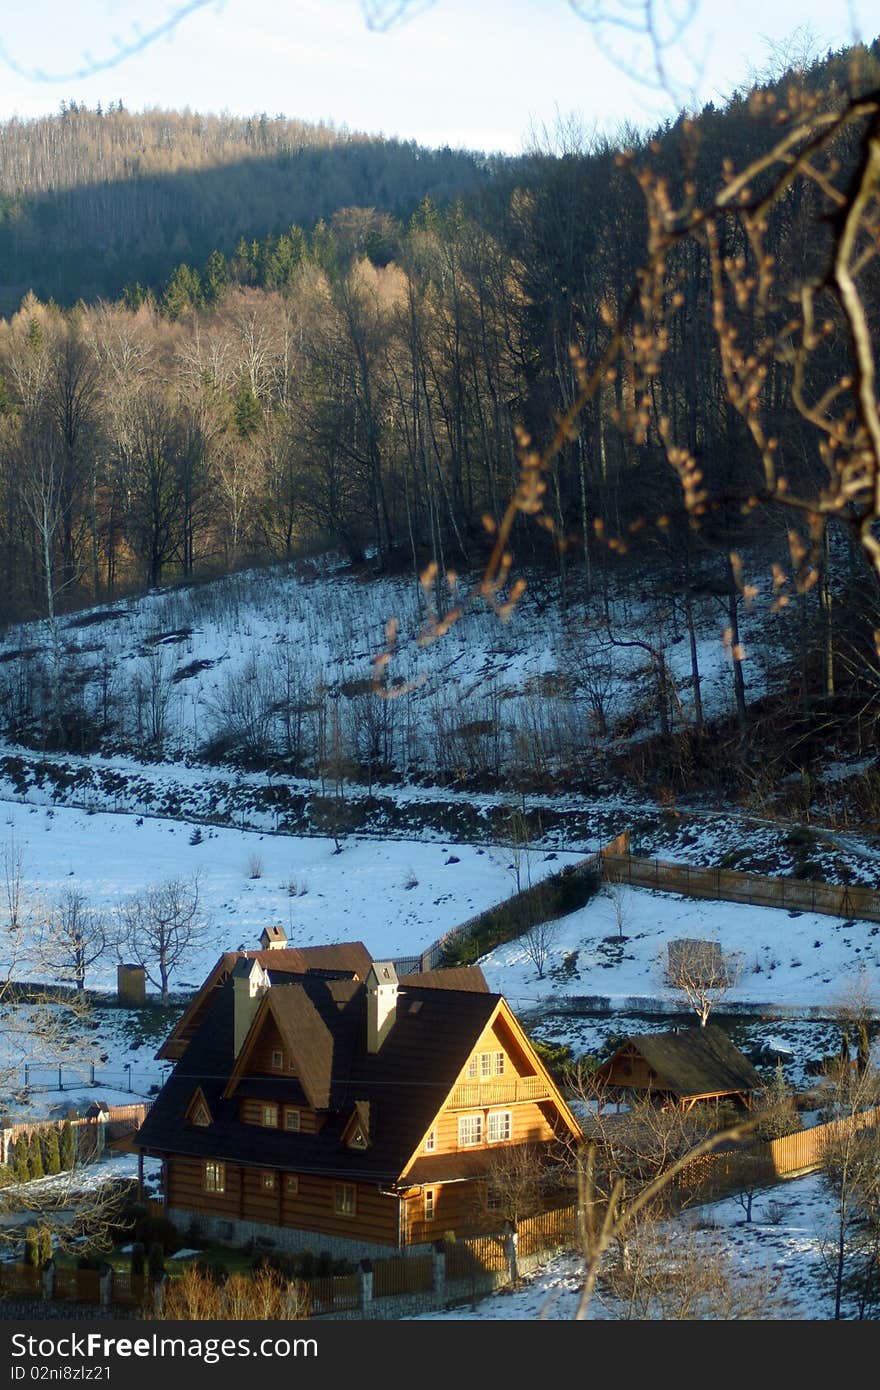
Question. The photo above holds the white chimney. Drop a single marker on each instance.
(381, 1003)
(249, 983)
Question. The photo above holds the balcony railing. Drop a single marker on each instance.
(470, 1095)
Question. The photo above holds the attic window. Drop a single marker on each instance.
(270, 1116)
(292, 1119)
(357, 1140)
(278, 1059)
(201, 1115)
(431, 1142)
(415, 1005)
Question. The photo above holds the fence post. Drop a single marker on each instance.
(366, 1277)
(511, 1241)
(105, 1285)
(438, 1270)
(48, 1280)
(159, 1292)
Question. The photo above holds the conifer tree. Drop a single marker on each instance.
(35, 1155)
(67, 1145)
(51, 1151)
(21, 1162)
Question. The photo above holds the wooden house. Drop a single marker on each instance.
(682, 1067)
(320, 1101)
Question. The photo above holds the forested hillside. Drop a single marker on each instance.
(361, 366)
(91, 201)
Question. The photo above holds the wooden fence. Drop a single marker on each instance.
(474, 1256)
(334, 1294)
(81, 1284)
(800, 1152)
(410, 1274)
(19, 1278)
(88, 1129)
(730, 885)
(548, 1230)
(127, 1288)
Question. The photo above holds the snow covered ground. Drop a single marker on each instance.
(397, 896)
(615, 947)
(777, 1263)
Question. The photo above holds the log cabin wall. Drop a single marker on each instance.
(457, 1206)
(251, 1113)
(263, 1058)
(632, 1070)
(312, 1206)
(529, 1124)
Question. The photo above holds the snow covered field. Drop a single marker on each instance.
(778, 1262)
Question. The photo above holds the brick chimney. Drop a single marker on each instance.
(249, 983)
(381, 986)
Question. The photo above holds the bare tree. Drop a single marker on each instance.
(519, 1177)
(701, 971)
(537, 941)
(851, 1095)
(81, 934)
(160, 929)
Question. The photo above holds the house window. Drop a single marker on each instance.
(470, 1130)
(431, 1142)
(278, 1059)
(497, 1063)
(215, 1176)
(498, 1128)
(345, 1201)
(291, 1184)
(485, 1064)
(429, 1204)
(200, 1115)
(291, 1119)
(268, 1180)
(270, 1116)
(472, 1068)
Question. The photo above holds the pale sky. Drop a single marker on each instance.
(481, 74)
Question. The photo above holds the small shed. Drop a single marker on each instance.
(131, 985)
(682, 1066)
(273, 938)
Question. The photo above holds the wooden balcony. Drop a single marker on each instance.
(498, 1090)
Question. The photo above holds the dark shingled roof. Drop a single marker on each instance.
(696, 1061)
(324, 1023)
(341, 960)
(456, 977)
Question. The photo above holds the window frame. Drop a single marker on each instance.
(214, 1176)
(345, 1199)
(268, 1182)
(475, 1119)
(291, 1111)
(496, 1115)
(431, 1141)
(269, 1107)
(430, 1207)
(277, 1059)
(291, 1184)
